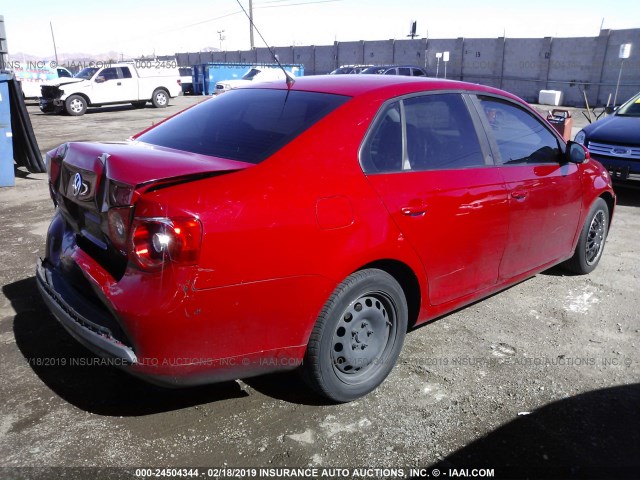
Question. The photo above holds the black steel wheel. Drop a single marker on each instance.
(592, 239)
(357, 337)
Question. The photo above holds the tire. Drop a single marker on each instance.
(139, 104)
(160, 98)
(75, 105)
(357, 337)
(592, 239)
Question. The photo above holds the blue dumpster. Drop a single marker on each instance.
(198, 79)
(206, 75)
(7, 174)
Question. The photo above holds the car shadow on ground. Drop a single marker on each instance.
(288, 387)
(77, 375)
(592, 435)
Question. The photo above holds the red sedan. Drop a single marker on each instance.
(310, 226)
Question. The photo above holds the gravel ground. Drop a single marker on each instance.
(541, 379)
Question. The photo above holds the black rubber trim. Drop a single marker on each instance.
(95, 337)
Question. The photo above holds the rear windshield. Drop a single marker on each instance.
(245, 124)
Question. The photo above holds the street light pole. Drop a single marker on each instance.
(625, 52)
(55, 50)
(251, 23)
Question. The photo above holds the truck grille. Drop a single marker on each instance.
(615, 151)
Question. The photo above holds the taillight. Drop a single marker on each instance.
(119, 220)
(156, 242)
(120, 194)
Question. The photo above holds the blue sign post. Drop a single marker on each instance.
(7, 173)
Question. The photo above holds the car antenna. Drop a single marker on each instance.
(289, 79)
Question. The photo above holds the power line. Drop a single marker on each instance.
(262, 5)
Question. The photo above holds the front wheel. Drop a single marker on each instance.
(160, 98)
(357, 337)
(75, 105)
(592, 238)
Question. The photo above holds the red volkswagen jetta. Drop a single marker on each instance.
(309, 226)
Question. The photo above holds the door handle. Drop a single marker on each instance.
(414, 211)
(519, 195)
(119, 83)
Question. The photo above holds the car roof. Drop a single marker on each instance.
(391, 85)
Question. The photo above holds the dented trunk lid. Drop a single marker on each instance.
(88, 169)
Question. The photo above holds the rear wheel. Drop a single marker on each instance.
(75, 105)
(592, 238)
(357, 337)
(160, 98)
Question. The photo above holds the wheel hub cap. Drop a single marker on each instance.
(361, 335)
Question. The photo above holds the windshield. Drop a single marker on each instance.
(245, 124)
(86, 73)
(631, 108)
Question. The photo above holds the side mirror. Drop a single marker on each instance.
(576, 153)
(100, 79)
(610, 109)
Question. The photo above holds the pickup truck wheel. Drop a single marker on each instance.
(75, 105)
(139, 104)
(160, 98)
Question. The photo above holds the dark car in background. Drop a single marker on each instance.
(349, 69)
(615, 140)
(407, 70)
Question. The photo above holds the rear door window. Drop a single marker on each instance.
(426, 132)
(125, 72)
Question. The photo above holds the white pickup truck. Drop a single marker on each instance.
(112, 84)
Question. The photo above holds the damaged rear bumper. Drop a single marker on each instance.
(73, 313)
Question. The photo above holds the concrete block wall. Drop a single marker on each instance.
(523, 66)
(410, 52)
(482, 60)
(570, 68)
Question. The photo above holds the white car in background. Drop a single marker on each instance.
(256, 74)
(31, 77)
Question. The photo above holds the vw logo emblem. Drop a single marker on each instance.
(77, 185)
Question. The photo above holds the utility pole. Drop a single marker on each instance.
(251, 23)
(55, 50)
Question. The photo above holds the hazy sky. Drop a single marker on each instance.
(165, 27)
